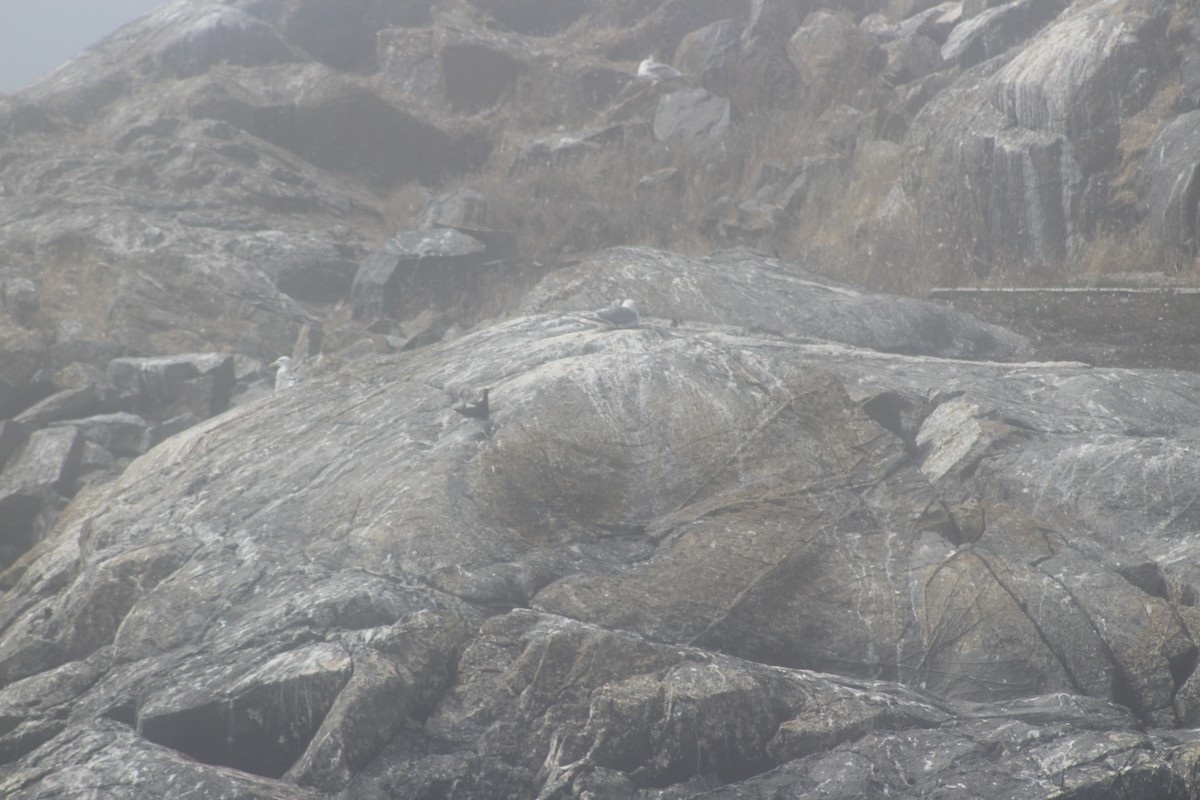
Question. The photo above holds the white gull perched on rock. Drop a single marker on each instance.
(624, 315)
(656, 71)
(284, 376)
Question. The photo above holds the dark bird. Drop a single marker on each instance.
(622, 316)
(477, 408)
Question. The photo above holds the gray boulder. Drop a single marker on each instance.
(83, 390)
(47, 462)
(416, 270)
(692, 115)
(711, 55)
(162, 387)
(32, 487)
(122, 433)
(833, 56)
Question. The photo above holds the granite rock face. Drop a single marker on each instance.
(723, 551)
(787, 536)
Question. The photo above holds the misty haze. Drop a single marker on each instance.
(605, 399)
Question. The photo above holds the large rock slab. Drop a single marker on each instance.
(670, 508)
(691, 115)
(122, 434)
(994, 30)
(1029, 168)
(744, 287)
(1172, 180)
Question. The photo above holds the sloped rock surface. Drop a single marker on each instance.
(686, 557)
(1035, 132)
(785, 537)
(744, 287)
(1172, 178)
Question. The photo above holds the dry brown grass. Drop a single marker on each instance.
(1135, 250)
(593, 199)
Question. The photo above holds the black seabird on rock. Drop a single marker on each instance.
(623, 316)
(477, 408)
(284, 376)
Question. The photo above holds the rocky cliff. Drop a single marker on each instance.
(788, 537)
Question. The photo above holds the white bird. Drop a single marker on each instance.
(623, 316)
(284, 376)
(656, 71)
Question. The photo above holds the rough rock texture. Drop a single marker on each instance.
(1028, 140)
(1172, 179)
(787, 537)
(739, 549)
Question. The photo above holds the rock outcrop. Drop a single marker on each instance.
(788, 536)
(722, 552)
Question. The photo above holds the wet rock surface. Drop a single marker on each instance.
(689, 556)
(785, 537)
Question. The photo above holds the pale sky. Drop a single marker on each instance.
(38, 35)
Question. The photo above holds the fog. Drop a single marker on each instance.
(38, 35)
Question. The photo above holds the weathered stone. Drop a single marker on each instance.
(31, 487)
(990, 32)
(33, 710)
(691, 115)
(84, 390)
(1171, 175)
(1040, 144)
(1082, 77)
(48, 461)
(12, 436)
(534, 18)
(172, 426)
(774, 470)
(107, 758)
(122, 434)
(832, 56)
(548, 152)
(711, 54)
(396, 682)
(476, 75)
(21, 381)
(415, 270)
(93, 352)
(312, 267)
(462, 208)
(910, 59)
(167, 386)
(193, 44)
(730, 287)
(95, 458)
(270, 714)
(19, 298)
